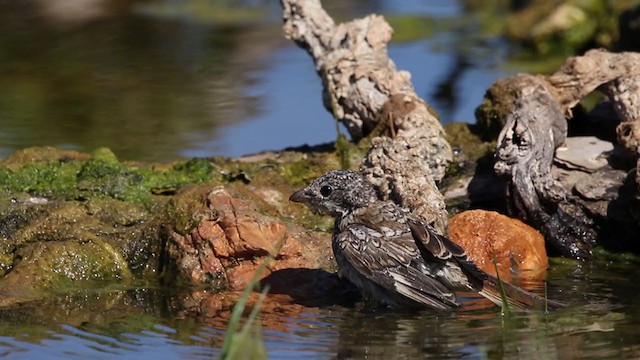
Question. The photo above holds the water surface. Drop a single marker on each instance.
(163, 80)
(600, 322)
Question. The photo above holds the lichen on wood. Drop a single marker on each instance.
(535, 127)
(364, 90)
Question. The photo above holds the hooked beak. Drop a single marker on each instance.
(299, 196)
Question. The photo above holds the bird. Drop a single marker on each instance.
(394, 257)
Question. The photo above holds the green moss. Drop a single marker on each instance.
(188, 208)
(62, 266)
(40, 179)
(548, 28)
(221, 13)
(469, 150)
(465, 138)
(601, 253)
(343, 147)
(101, 175)
(315, 222)
(297, 173)
(105, 155)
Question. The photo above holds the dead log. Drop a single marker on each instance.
(364, 90)
(574, 208)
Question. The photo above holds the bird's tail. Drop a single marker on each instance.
(515, 296)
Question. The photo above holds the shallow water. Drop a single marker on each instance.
(156, 84)
(167, 79)
(144, 323)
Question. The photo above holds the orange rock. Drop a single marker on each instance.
(239, 276)
(248, 232)
(213, 233)
(290, 248)
(487, 235)
(232, 239)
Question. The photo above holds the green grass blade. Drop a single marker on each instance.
(238, 309)
(247, 344)
(506, 308)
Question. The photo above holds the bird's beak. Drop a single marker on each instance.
(299, 196)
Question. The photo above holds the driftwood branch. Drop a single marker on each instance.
(364, 90)
(570, 214)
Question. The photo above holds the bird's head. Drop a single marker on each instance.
(336, 193)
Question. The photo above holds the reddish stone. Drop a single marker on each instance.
(487, 235)
(213, 233)
(240, 276)
(290, 248)
(248, 232)
(196, 260)
(227, 247)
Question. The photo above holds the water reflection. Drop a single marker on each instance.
(152, 323)
(165, 79)
(139, 84)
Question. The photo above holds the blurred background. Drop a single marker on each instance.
(161, 80)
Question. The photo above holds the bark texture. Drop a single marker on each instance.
(534, 112)
(364, 90)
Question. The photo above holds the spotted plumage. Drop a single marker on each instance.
(394, 257)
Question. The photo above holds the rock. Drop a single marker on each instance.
(60, 266)
(231, 239)
(586, 153)
(488, 235)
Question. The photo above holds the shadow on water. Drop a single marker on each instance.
(312, 287)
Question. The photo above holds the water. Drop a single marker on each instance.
(166, 79)
(157, 82)
(145, 323)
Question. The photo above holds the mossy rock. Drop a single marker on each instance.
(61, 174)
(73, 222)
(61, 266)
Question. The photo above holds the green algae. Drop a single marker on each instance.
(59, 267)
(130, 228)
(188, 208)
(40, 179)
(102, 175)
(470, 150)
(602, 254)
(467, 139)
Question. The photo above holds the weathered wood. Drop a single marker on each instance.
(580, 75)
(363, 89)
(535, 127)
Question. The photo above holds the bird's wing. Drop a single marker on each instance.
(388, 257)
(435, 247)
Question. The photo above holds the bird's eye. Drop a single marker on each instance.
(326, 190)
